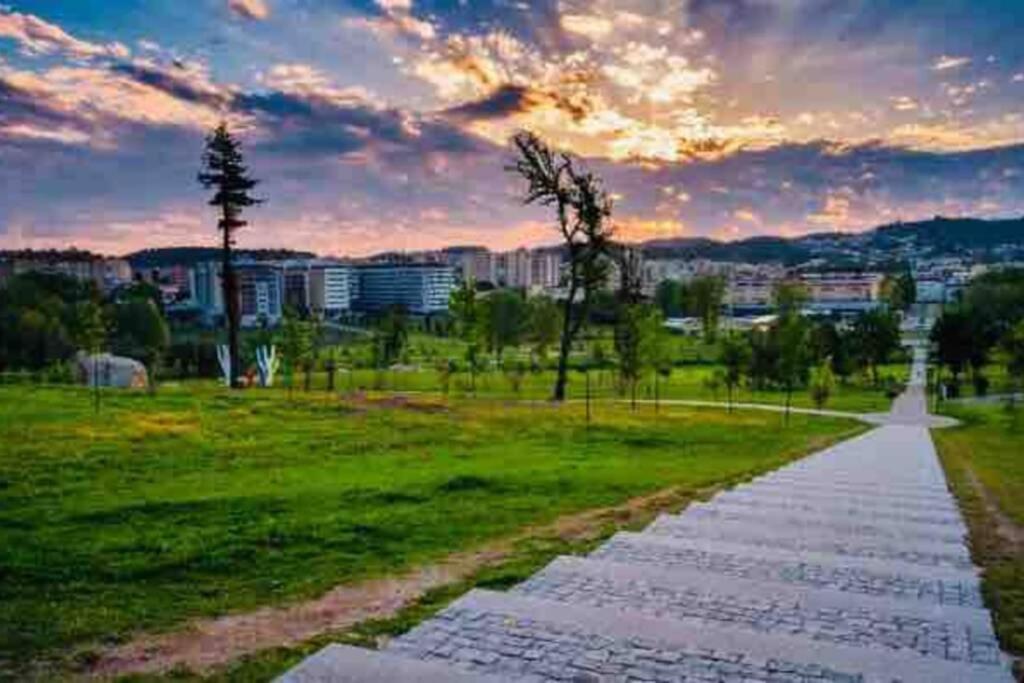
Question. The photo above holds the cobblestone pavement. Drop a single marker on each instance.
(849, 565)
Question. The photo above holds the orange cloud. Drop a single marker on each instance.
(250, 9)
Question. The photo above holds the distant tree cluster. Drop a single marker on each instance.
(46, 318)
(988, 322)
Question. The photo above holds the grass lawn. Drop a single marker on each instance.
(195, 502)
(687, 382)
(984, 459)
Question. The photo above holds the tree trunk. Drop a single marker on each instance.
(789, 400)
(657, 395)
(229, 285)
(566, 344)
(728, 390)
(587, 373)
(632, 391)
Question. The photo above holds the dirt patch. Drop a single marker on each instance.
(359, 399)
(210, 643)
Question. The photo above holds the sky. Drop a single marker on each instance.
(384, 124)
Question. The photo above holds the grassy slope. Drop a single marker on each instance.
(196, 503)
(990, 445)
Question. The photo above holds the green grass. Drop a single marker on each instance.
(687, 382)
(196, 502)
(990, 446)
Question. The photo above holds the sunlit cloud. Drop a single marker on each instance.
(250, 9)
(38, 37)
(945, 63)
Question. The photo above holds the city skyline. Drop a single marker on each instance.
(380, 125)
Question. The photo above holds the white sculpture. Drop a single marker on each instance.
(224, 358)
(267, 364)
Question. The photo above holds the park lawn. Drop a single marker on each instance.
(198, 502)
(987, 450)
(688, 382)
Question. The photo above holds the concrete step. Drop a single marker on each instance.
(898, 581)
(876, 485)
(816, 509)
(815, 540)
(836, 525)
(519, 636)
(344, 664)
(889, 503)
(950, 633)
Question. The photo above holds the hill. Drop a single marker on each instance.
(982, 239)
(189, 256)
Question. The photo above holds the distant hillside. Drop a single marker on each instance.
(188, 256)
(954, 233)
(936, 237)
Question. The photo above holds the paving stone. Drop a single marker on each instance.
(767, 564)
(571, 641)
(952, 633)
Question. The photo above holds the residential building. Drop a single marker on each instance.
(107, 273)
(261, 291)
(839, 292)
(332, 288)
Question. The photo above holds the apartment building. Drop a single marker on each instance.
(107, 273)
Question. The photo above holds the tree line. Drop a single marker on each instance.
(984, 328)
(46, 318)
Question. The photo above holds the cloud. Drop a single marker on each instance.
(257, 10)
(904, 103)
(39, 37)
(945, 63)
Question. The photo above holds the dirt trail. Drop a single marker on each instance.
(1008, 530)
(209, 643)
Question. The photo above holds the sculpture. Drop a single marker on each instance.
(267, 363)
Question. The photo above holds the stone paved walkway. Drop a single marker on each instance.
(849, 565)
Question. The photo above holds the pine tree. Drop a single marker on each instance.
(224, 170)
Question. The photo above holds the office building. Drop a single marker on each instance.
(420, 288)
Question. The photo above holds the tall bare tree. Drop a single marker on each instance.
(582, 211)
(224, 171)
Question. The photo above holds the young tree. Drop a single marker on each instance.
(89, 333)
(952, 334)
(1013, 347)
(876, 337)
(794, 359)
(735, 359)
(225, 172)
(670, 297)
(392, 336)
(139, 331)
(544, 320)
(823, 382)
(582, 210)
(706, 295)
(636, 343)
(296, 345)
(789, 298)
(504, 321)
(899, 291)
